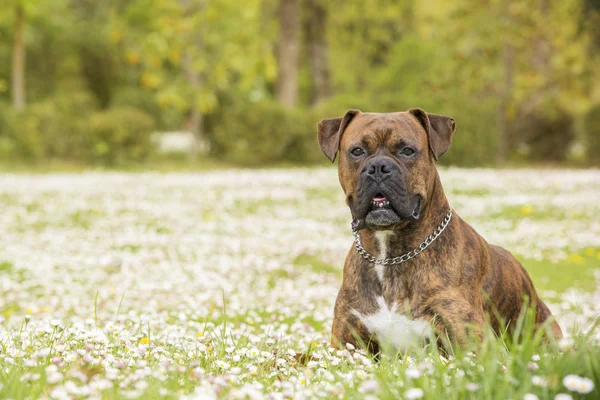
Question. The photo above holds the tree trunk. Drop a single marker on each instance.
(97, 62)
(196, 121)
(315, 28)
(508, 55)
(18, 60)
(288, 53)
(194, 78)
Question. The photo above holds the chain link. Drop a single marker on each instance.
(404, 257)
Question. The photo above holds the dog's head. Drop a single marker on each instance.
(387, 161)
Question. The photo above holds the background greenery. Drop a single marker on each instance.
(89, 81)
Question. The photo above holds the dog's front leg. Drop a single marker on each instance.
(458, 320)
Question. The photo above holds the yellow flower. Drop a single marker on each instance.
(144, 340)
(150, 80)
(526, 209)
(589, 252)
(575, 259)
(116, 36)
(155, 62)
(133, 58)
(174, 56)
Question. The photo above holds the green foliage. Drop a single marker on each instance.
(138, 98)
(7, 123)
(263, 133)
(69, 127)
(6, 118)
(416, 76)
(472, 143)
(53, 128)
(413, 76)
(547, 133)
(514, 75)
(120, 135)
(361, 38)
(336, 106)
(592, 127)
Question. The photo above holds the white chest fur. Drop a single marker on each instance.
(393, 329)
(382, 240)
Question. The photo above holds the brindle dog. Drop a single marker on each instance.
(387, 172)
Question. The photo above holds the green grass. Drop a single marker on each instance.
(501, 368)
(156, 164)
(180, 162)
(186, 348)
(577, 272)
(517, 212)
(315, 263)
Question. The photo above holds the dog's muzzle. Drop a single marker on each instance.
(382, 199)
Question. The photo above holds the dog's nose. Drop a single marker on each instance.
(379, 168)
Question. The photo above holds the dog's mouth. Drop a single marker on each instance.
(383, 213)
(379, 202)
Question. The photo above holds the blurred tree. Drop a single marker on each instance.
(191, 50)
(516, 74)
(591, 15)
(503, 50)
(288, 52)
(194, 77)
(92, 41)
(590, 19)
(33, 52)
(361, 37)
(18, 57)
(592, 125)
(315, 27)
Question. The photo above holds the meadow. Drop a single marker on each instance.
(221, 284)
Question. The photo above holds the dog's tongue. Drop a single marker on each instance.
(379, 198)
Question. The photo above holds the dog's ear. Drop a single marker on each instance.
(330, 133)
(439, 130)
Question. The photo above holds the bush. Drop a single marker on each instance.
(67, 127)
(473, 143)
(263, 133)
(53, 128)
(119, 135)
(337, 106)
(547, 133)
(592, 129)
(165, 118)
(7, 124)
(6, 116)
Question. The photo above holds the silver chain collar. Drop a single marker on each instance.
(404, 257)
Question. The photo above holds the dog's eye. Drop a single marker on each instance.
(407, 151)
(357, 152)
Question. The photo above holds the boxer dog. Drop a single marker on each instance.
(416, 266)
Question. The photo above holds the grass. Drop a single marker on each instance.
(314, 263)
(201, 286)
(181, 163)
(576, 272)
(511, 366)
(164, 164)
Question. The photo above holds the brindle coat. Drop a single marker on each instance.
(448, 283)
